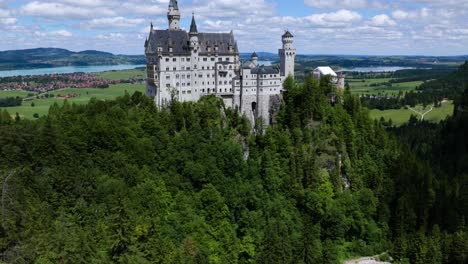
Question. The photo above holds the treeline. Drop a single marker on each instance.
(403, 99)
(125, 182)
(11, 101)
(450, 86)
(443, 149)
(429, 93)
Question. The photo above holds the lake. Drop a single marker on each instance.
(68, 69)
(375, 69)
(85, 69)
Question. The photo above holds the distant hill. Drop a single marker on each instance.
(265, 56)
(450, 86)
(53, 57)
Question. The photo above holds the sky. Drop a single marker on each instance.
(353, 27)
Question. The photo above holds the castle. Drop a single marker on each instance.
(189, 65)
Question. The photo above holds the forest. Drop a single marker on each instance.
(11, 101)
(121, 181)
(445, 85)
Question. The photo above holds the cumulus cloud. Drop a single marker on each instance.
(112, 22)
(348, 4)
(331, 26)
(57, 33)
(382, 21)
(339, 18)
(59, 10)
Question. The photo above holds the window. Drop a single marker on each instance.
(167, 68)
(168, 85)
(177, 84)
(227, 59)
(177, 76)
(167, 77)
(183, 76)
(174, 59)
(212, 59)
(203, 67)
(205, 59)
(220, 59)
(167, 59)
(188, 59)
(182, 59)
(175, 68)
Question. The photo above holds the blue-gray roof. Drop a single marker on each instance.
(179, 41)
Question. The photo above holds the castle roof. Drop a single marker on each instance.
(254, 55)
(287, 34)
(265, 70)
(325, 70)
(178, 40)
(193, 26)
(173, 3)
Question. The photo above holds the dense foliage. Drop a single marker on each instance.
(124, 182)
(449, 86)
(11, 101)
(54, 57)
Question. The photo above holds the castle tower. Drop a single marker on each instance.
(287, 55)
(193, 34)
(173, 15)
(255, 59)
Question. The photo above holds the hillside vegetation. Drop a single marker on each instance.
(53, 57)
(125, 182)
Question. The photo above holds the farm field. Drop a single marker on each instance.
(401, 116)
(364, 86)
(41, 106)
(15, 93)
(123, 75)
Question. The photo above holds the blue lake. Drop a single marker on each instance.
(68, 69)
(85, 69)
(375, 69)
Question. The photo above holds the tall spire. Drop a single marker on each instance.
(193, 26)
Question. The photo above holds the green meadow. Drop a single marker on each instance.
(41, 106)
(123, 75)
(402, 116)
(22, 94)
(376, 86)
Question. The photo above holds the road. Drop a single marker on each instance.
(422, 114)
(367, 260)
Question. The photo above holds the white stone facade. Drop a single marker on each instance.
(188, 65)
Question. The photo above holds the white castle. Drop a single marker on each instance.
(188, 65)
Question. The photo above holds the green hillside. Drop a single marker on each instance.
(53, 57)
(121, 181)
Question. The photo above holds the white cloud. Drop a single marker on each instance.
(57, 33)
(382, 21)
(339, 18)
(8, 21)
(111, 36)
(112, 22)
(59, 10)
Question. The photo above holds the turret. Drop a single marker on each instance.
(287, 55)
(193, 34)
(173, 15)
(254, 59)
